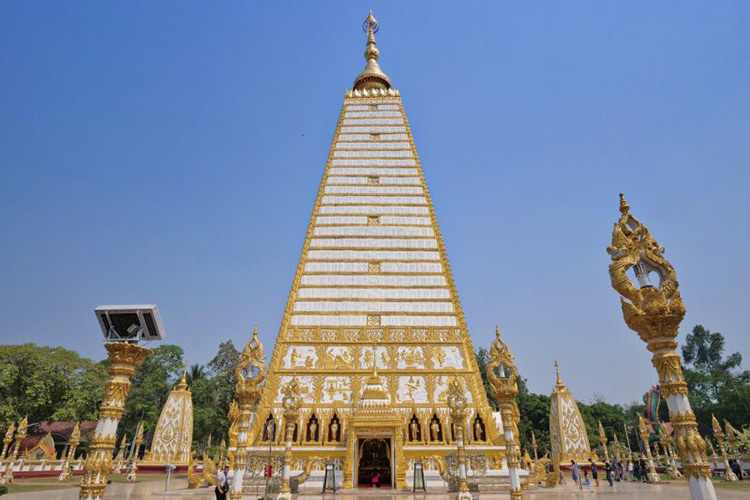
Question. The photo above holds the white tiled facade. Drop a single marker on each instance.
(373, 257)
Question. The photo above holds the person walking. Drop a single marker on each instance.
(630, 470)
(575, 471)
(608, 471)
(644, 470)
(594, 472)
(222, 484)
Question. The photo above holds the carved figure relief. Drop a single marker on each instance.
(410, 357)
(336, 389)
(300, 356)
(306, 387)
(412, 389)
(447, 357)
(368, 353)
(338, 357)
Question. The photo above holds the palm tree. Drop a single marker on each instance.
(196, 372)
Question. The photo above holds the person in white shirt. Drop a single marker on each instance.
(222, 484)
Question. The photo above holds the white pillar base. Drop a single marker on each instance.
(284, 496)
(702, 489)
(465, 495)
(654, 477)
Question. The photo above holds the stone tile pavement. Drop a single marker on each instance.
(154, 490)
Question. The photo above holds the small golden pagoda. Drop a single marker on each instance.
(568, 437)
(173, 437)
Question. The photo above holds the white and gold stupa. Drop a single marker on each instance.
(173, 436)
(568, 437)
(373, 311)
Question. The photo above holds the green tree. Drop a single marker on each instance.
(195, 373)
(152, 382)
(48, 383)
(716, 383)
(612, 417)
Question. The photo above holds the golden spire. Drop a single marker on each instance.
(560, 386)
(182, 385)
(624, 207)
(372, 77)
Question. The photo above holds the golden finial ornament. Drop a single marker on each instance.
(250, 373)
(560, 386)
(372, 77)
(654, 310)
(502, 374)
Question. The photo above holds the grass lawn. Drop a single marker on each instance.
(738, 485)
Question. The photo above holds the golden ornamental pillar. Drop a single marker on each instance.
(615, 446)
(654, 312)
(21, 432)
(8, 439)
(603, 441)
(291, 403)
(643, 432)
(250, 373)
(456, 401)
(666, 441)
(729, 475)
(534, 447)
(503, 375)
(132, 474)
(73, 441)
(124, 358)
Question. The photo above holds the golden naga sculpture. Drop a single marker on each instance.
(21, 432)
(194, 480)
(502, 374)
(654, 311)
(251, 370)
(8, 439)
(729, 475)
(209, 471)
(234, 432)
(250, 373)
(603, 441)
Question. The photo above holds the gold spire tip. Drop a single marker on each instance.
(624, 207)
(372, 77)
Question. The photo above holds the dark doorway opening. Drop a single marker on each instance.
(374, 463)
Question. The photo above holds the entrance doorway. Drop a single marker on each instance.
(374, 467)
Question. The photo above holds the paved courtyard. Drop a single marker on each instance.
(154, 490)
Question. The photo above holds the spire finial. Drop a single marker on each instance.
(560, 384)
(372, 77)
(182, 385)
(624, 207)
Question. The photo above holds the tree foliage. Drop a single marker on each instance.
(716, 383)
(48, 383)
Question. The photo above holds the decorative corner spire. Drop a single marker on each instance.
(624, 207)
(372, 77)
(560, 384)
(182, 385)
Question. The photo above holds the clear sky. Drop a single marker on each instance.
(170, 152)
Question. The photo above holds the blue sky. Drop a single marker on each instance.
(170, 152)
